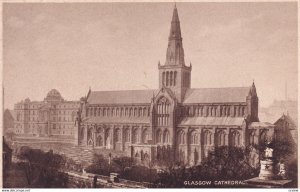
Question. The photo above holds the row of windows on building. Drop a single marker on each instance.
(63, 118)
(169, 78)
(221, 138)
(136, 137)
(116, 111)
(34, 113)
(59, 126)
(214, 111)
(40, 105)
(43, 118)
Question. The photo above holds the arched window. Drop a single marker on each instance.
(118, 135)
(121, 112)
(221, 136)
(175, 76)
(95, 111)
(158, 136)
(140, 111)
(163, 106)
(91, 111)
(112, 112)
(135, 112)
(171, 78)
(99, 141)
(145, 136)
(228, 111)
(127, 135)
(135, 136)
(194, 138)
(167, 79)
(207, 111)
(163, 78)
(235, 138)
(130, 112)
(235, 113)
(144, 111)
(181, 137)
(221, 111)
(117, 112)
(207, 137)
(263, 137)
(166, 136)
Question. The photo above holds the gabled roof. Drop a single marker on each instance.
(213, 121)
(121, 97)
(217, 95)
(201, 95)
(287, 119)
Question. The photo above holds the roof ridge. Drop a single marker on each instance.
(126, 90)
(220, 87)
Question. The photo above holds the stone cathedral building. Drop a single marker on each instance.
(175, 122)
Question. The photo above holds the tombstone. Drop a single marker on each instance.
(114, 177)
(282, 171)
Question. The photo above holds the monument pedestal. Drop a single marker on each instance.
(262, 183)
(266, 170)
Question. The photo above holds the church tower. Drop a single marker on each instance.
(174, 74)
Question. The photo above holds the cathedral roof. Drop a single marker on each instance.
(200, 95)
(213, 121)
(217, 95)
(261, 125)
(124, 119)
(121, 97)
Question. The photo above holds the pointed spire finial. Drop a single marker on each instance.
(175, 5)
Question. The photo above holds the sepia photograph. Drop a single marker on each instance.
(150, 95)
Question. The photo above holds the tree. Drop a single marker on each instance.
(42, 169)
(123, 162)
(100, 165)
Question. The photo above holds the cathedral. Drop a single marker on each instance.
(174, 123)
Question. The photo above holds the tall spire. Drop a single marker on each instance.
(175, 53)
(175, 31)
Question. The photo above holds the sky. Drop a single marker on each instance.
(117, 46)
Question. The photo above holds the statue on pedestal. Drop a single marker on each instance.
(268, 152)
(267, 164)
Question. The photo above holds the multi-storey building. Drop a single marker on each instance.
(175, 122)
(51, 117)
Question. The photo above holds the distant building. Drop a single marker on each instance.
(52, 117)
(277, 108)
(175, 123)
(286, 129)
(8, 120)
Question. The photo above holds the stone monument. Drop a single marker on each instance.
(282, 171)
(267, 165)
(266, 177)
